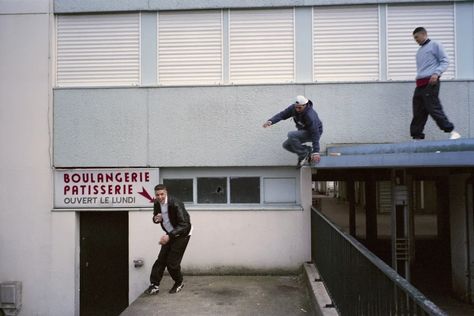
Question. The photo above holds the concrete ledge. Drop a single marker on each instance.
(319, 297)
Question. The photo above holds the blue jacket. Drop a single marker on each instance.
(306, 120)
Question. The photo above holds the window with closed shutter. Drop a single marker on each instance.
(190, 47)
(437, 19)
(346, 43)
(98, 50)
(261, 46)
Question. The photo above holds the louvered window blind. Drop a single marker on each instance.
(261, 46)
(190, 47)
(346, 43)
(98, 50)
(401, 21)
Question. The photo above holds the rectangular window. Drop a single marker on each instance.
(190, 47)
(346, 43)
(279, 190)
(212, 190)
(98, 50)
(244, 190)
(437, 19)
(180, 188)
(261, 45)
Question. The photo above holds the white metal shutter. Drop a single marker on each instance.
(190, 47)
(261, 46)
(438, 19)
(346, 43)
(98, 50)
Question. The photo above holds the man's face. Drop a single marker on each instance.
(299, 107)
(420, 37)
(161, 196)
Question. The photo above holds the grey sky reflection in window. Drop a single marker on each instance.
(212, 190)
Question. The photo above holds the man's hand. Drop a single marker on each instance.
(315, 157)
(267, 124)
(433, 79)
(164, 239)
(157, 218)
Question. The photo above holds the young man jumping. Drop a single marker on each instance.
(308, 129)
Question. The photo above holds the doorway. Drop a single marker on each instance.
(103, 263)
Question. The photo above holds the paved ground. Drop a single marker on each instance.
(227, 295)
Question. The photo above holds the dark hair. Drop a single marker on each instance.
(419, 29)
(160, 187)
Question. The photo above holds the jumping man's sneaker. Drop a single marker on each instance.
(308, 158)
(177, 287)
(301, 162)
(152, 289)
(454, 135)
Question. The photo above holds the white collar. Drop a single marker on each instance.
(166, 201)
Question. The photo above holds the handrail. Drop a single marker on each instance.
(402, 284)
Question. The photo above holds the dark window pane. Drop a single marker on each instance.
(180, 188)
(212, 190)
(245, 190)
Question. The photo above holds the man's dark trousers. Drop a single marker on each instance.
(170, 257)
(426, 102)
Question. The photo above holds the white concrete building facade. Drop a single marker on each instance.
(184, 88)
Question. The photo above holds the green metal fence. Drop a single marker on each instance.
(358, 282)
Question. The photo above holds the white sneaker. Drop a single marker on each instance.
(454, 135)
(153, 289)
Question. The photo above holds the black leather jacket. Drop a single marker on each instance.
(178, 215)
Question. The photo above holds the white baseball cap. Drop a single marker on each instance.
(300, 100)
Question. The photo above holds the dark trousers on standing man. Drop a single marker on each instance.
(426, 102)
(170, 257)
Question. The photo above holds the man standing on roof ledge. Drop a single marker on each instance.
(309, 129)
(431, 62)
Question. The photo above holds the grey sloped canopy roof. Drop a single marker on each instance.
(446, 153)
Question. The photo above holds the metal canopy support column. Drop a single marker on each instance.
(443, 221)
(370, 212)
(401, 223)
(352, 209)
(469, 194)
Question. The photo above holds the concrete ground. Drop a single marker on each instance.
(227, 295)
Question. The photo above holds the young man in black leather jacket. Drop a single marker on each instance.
(175, 221)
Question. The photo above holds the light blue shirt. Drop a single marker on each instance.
(166, 219)
(431, 59)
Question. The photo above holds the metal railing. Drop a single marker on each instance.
(358, 282)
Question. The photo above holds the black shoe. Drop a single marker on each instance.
(301, 162)
(152, 289)
(308, 158)
(305, 160)
(177, 287)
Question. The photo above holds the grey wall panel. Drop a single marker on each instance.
(303, 44)
(24, 6)
(470, 113)
(100, 127)
(218, 126)
(465, 40)
(222, 126)
(382, 112)
(148, 49)
(75, 6)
